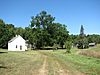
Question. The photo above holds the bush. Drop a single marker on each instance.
(55, 46)
(68, 45)
(83, 43)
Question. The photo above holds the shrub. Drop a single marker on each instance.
(83, 43)
(68, 45)
(55, 46)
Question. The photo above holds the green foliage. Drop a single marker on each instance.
(43, 31)
(55, 46)
(93, 38)
(39, 26)
(82, 31)
(42, 20)
(6, 33)
(68, 45)
(83, 43)
(19, 31)
(46, 32)
(89, 39)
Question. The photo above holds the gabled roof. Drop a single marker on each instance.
(14, 38)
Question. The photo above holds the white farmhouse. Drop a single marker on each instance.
(17, 44)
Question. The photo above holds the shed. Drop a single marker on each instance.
(92, 44)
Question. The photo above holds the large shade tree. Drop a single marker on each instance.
(46, 32)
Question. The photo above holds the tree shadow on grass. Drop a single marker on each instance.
(3, 52)
(3, 67)
(48, 48)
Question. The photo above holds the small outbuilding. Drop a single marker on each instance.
(92, 44)
(17, 44)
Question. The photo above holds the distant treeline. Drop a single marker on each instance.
(93, 38)
(41, 32)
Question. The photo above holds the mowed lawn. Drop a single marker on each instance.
(48, 62)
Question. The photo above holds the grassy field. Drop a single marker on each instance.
(48, 62)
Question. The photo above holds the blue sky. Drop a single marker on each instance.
(72, 13)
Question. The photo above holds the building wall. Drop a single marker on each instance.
(19, 41)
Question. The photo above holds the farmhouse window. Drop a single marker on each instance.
(16, 46)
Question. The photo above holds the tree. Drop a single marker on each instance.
(3, 34)
(82, 40)
(46, 32)
(6, 33)
(39, 25)
(58, 33)
(62, 35)
(94, 38)
(19, 31)
(82, 31)
(42, 20)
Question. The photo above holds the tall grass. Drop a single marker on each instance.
(20, 63)
(75, 63)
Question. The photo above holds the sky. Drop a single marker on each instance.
(72, 13)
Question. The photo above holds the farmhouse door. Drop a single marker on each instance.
(20, 47)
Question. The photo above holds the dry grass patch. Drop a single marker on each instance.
(20, 63)
(92, 53)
